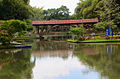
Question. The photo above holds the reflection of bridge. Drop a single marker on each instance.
(58, 53)
(61, 26)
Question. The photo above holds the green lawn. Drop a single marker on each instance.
(95, 41)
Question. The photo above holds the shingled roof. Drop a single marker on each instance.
(65, 22)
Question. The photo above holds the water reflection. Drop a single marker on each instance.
(109, 49)
(15, 64)
(55, 67)
(106, 61)
(52, 49)
(61, 60)
(82, 61)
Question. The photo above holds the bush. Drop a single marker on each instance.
(79, 30)
(101, 26)
(22, 33)
(4, 37)
(81, 38)
(13, 26)
(29, 24)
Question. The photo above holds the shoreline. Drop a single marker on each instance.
(95, 41)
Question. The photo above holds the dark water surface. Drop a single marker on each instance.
(61, 60)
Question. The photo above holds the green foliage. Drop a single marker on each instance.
(13, 26)
(26, 1)
(74, 16)
(101, 26)
(37, 14)
(4, 37)
(86, 9)
(108, 10)
(61, 13)
(15, 9)
(29, 24)
(79, 30)
(22, 33)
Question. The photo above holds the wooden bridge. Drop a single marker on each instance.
(61, 26)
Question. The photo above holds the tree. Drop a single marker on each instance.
(108, 11)
(61, 13)
(79, 30)
(4, 37)
(13, 26)
(101, 26)
(29, 25)
(37, 14)
(86, 9)
(15, 9)
(26, 1)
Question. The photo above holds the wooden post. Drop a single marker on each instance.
(38, 30)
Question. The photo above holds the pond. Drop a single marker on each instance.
(61, 60)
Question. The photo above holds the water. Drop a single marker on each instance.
(61, 60)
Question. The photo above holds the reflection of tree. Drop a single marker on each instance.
(106, 63)
(52, 49)
(16, 66)
(45, 45)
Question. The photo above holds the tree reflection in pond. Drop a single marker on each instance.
(82, 61)
(53, 49)
(104, 59)
(15, 64)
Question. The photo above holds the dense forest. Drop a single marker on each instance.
(107, 11)
(15, 9)
(20, 9)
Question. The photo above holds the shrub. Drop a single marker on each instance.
(81, 38)
(13, 26)
(101, 26)
(29, 24)
(4, 37)
(79, 30)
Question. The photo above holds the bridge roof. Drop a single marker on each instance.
(65, 22)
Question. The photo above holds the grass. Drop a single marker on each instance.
(95, 41)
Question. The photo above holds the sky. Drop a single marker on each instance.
(71, 4)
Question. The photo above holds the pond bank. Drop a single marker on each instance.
(95, 41)
(14, 46)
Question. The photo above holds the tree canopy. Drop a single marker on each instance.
(86, 8)
(108, 12)
(61, 13)
(37, 14)
(15, 9)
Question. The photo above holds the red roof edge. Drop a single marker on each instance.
(78, 21)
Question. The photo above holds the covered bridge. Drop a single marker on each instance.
(46, 27)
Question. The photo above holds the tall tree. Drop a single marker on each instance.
(26, 1)
(61, 13)
(37, 14)
(14, 9)
(86, 9)
(109, 12)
